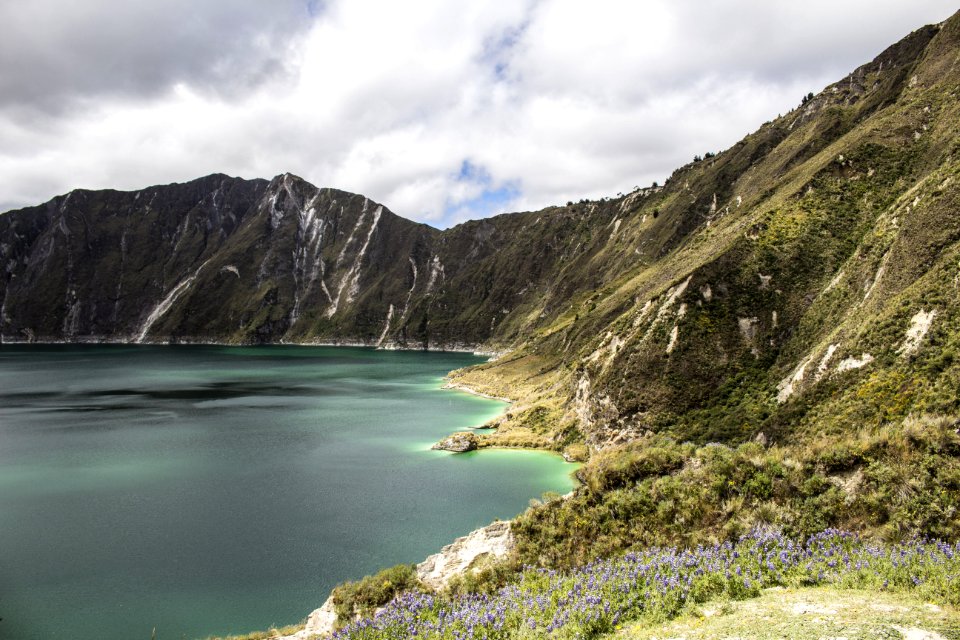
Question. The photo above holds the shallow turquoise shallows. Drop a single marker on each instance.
(217, 490)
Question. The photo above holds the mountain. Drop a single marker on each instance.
(803, 279)
(224, 259)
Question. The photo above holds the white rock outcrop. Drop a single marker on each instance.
(919, 326)
(852, 363)
(492, 541)
(320, 623)
(457, 443)
(824, 363)
(789, 384)
(674, 334)
(458, 557)
(749, 328)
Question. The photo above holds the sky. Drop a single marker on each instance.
(441, 110)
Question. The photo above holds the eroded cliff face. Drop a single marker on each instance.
(222, 259)
(94, 264)
(216, 259)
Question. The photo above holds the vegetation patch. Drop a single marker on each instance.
(817, 612)
(890, 482)
(363, 597)
(659, 584)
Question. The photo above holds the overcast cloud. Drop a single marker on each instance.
(441, 110)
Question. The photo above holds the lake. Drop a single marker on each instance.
(205, 490)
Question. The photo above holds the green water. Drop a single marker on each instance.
(208, 490)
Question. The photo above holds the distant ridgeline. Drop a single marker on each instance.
(806, 278)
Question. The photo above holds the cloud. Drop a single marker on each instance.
(440, 110)
(58, 53)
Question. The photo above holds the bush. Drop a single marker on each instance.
(634, 463)
(892, 482)
(362, 597)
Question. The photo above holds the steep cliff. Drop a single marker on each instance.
(228, 260)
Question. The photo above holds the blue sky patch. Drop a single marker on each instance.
(494, 197)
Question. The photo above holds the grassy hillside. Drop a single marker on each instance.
(630, 595)
(801, 282)
(813, 612)
(768, 340)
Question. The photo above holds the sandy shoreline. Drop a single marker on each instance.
(459, 386)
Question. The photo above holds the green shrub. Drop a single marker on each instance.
(365, 595)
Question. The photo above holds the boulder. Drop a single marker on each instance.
(320, 624)
(457, 558)
(458, 443)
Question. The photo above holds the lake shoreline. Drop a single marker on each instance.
(476, 350)
(459, 386)
(321, 622)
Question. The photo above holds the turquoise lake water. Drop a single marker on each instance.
(212, 490)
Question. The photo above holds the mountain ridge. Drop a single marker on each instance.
(706, 344)
(286, 196)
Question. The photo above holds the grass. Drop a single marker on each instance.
(888, 482)
(818, 612)
(660, 584)
(269, 634)
(839, 189)
(362, 597)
